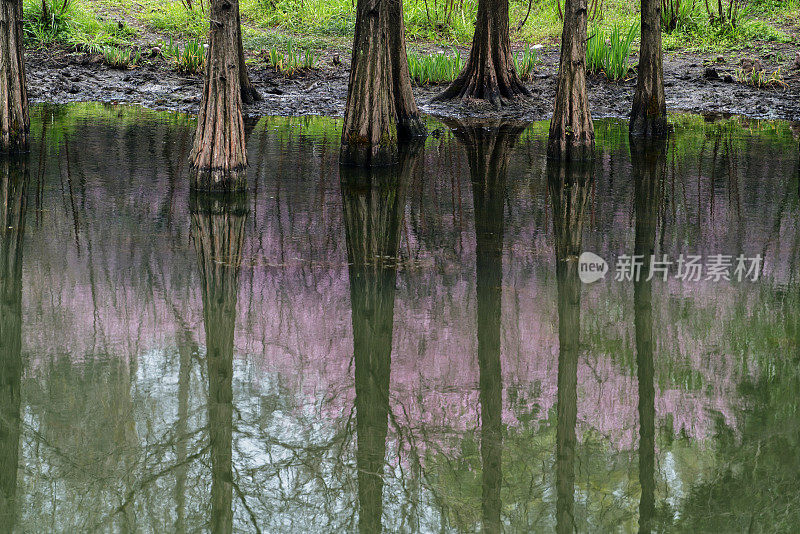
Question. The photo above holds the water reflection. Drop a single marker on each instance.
(569, 184)
(13, 184)
(372, 202)
(488, 150)
(137, 340)
(649, 162)
(218, 223)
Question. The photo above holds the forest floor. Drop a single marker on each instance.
(693, 82)
(702, 67)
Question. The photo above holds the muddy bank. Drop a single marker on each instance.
(57, 76)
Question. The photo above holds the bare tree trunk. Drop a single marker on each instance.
(249, 93)
(489, 73)
(13, 182)
(649, 113)
(569, 186)
(571, 129)
(380, 108)
(218, 226)
(14, 119)
(219, 156)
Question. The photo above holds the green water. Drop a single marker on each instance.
(407, 349)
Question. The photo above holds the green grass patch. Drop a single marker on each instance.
(432, 69)
(525, 62)
(609, 52)
(173, 18)
(292, 59)
(72, 23)
(190, 59)
(121, 58)
(760, 78)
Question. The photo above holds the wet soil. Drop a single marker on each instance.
(693, 83)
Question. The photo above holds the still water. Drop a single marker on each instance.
(409, 348)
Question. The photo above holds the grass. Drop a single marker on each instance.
(120, 58)
(329, 24)
(609, 52)
(72, 23)
(524, 62)
(190, 59)
(294, 59)
(760, 78)
(433, 69)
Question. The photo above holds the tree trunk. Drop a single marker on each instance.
(14, 120)
(571, 129)
(249, 93)
(569, 186)
(13, 181)
(219, 157)
(380, 108)
(649, 163)
(649, 113)
(218, 226)
(489, 73)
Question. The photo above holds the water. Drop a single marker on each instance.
(412, 347)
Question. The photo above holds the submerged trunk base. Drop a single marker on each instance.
(14, 119)
(569, 147)
(654, 127)
(364, 154)
(14, 142)
(218, 180)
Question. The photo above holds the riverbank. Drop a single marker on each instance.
(693, 82)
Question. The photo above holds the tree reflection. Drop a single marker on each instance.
(13, 183)
(218, 224)
(488, 150)
(649, 163)
(373, 200)
(568, 184)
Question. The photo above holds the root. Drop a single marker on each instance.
(471, 86)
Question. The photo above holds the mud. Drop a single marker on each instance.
(59, 76)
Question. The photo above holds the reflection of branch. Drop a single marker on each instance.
(244, 501)
(147, 480)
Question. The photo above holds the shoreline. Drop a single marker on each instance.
(56, 76)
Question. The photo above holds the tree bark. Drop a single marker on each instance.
(649, 113)
(219, 157)
(571, 129)
(14, 119)
(380, 108)
(569, 185)
(489, 73)
(373, 203)
(218, 226)
(13, 181)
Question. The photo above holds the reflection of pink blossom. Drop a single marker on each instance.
(137, 289)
